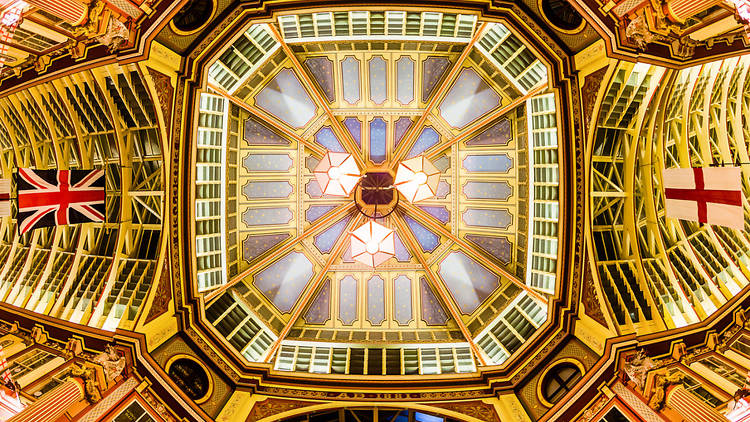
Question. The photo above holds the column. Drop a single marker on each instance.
(680, 10)
(75, 12)
(690, 407)
(53, 404)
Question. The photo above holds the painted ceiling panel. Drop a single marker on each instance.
(285, 98)
(283, 281)
(470, 283)
(469, 98)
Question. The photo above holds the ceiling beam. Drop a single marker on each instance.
(471, 250)
(438, 284)
(317, 150)
(433, 152)
(341, 133)
(301, 304)
(411, 135)
(322, 222)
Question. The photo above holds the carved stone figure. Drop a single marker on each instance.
(637, 368)
(638, 32)
(88, 376)
(117, 34)
(112, 363)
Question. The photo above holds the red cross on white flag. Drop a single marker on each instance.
(708, 195)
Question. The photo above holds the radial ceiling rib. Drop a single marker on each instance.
(341, 133)
(317, 149)
(435, 151)
(423, 216)
(414, 131)
(408, 237)
(321, 223)
(313, 287)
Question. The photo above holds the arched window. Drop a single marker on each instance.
(559, 380)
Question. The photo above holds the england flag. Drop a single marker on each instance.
(710, 195)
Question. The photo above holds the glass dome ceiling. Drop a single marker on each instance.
(474, 265)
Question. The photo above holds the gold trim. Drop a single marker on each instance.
(574, 31)
(554, 364)
(178, 356)
(200, 28)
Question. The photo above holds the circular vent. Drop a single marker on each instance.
(562, 15)
(193, 16)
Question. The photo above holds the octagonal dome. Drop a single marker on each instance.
(474, 265)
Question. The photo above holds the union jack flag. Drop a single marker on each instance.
(58, 197)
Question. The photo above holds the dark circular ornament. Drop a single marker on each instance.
(193, 16)
(562, 15)
(190, 376)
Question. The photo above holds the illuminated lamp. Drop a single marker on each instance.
(417, 179)
(337, 174)
(373, 244)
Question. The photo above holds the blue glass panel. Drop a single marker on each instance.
(469, 282)
(499, 247)
(285, 98)
(377, 140)
(376, 300)
(488, 190)
(321, 68)
(256, 245)
(405, 80)
(432, 310)
(443, 163)
(348, 300)
(439, 212)
(256, 133)
(254, 190)
(354, 126)
(267, 162)
(313, 189)
(400, 128)
(328, 139)
(350, 76)
(402, 300)
(500, 219)
(402, 254)
(283, 281)
(424, 417)
(325, 241)
(498, 163)
(320, 309)
(316, 211)
(443, 190)
(433, 69)
(266, 216)
(427, 239)
(427, 139)
(378, 84)
(497, 134)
